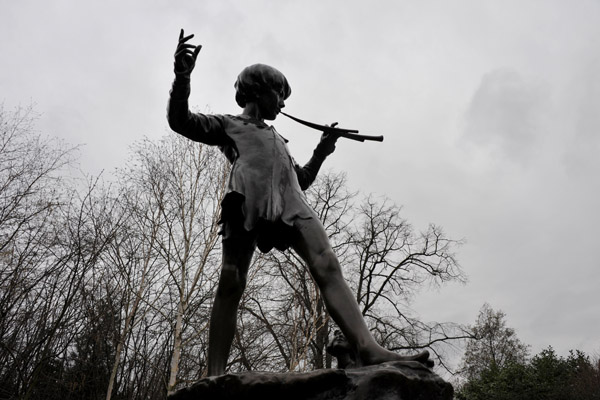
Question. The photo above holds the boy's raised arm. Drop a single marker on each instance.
(197, 127)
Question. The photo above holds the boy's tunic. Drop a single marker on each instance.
(265, 184)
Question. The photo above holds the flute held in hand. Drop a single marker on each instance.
(347, 133)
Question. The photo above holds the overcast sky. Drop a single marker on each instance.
(490, 111)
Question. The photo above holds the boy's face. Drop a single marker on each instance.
(270, 102)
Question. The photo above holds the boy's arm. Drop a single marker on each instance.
(197, 127)
(308, 173)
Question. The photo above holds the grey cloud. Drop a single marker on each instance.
(504, 114)
(581, 155)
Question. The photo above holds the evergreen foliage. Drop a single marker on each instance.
(496, 367)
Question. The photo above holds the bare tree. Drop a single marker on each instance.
(494, 344)
(38, 275)
(130, 267)
(173, 196)
(392, 263)
(105, 290)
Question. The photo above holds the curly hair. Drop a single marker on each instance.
(253, 80)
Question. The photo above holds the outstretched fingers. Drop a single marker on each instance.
(183, 47)
(186, 53)
(187, 49)
(197, 50)
(186, 38)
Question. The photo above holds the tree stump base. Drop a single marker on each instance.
(387, 381)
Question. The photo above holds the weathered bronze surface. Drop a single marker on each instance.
(265, 206)
(394, 380)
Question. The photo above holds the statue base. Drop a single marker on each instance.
(399, 380)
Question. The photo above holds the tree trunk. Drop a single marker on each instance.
(177, 343)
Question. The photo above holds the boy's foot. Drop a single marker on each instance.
(382, 355)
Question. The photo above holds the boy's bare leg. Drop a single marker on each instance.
(313, 246)
(237, 255)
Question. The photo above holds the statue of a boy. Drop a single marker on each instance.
(265, 206)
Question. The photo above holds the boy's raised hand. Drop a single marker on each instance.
(185, 55)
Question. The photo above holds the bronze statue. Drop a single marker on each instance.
(265, 206)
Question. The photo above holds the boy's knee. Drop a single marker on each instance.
(326, 266)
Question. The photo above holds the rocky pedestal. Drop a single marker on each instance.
(387, 381)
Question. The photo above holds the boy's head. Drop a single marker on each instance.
(255, 79)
